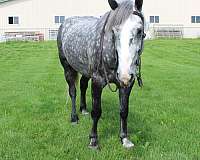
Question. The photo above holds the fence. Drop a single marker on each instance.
(172, 31)
(168, 31)
(28, 34)
(40, 34)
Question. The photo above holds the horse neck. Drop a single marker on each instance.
(108, 53)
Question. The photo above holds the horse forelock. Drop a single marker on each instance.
(120, 14)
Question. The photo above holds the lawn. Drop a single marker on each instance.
(164, 116)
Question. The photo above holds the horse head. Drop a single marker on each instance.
(128, 36)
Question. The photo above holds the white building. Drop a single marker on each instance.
(179, 14)
(36, 17)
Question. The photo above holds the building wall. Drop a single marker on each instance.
(175, 12)
(168, 13)
(35, 14)
(40, 14)
(21, 8)
(66, 8)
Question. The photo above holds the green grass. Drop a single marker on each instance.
(164, 116)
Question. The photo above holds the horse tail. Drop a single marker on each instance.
(60, 48)
(59, 42)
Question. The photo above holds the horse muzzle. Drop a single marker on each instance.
(125, 79)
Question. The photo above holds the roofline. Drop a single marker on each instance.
(3, 1)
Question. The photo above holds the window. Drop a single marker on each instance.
(195, 19)
(62, 19)
(13, 20)
(151, 19)
(154, 19)
(59, 19)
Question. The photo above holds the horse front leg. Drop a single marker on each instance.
(124, 94)
(96, 112)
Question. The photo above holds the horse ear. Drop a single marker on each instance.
(113, 4)
(138, 4)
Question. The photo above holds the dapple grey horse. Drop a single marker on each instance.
(105, 50)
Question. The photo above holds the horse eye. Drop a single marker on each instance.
(139, 32)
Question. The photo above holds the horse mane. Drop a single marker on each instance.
(120, 14)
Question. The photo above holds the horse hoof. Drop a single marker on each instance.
(94, 147)
(126, 143)
(84, 112)
(93, 144)
(74, 123)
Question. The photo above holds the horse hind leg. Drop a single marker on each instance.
(71, 76)
(83, 88)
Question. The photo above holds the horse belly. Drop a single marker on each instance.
(79, 61)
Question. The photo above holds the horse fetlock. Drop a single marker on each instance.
(84, 112)
(123, 135)
(93, 143)
(74, 118)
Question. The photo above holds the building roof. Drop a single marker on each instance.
(2, 1)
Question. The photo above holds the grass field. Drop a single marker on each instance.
(164, 116)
